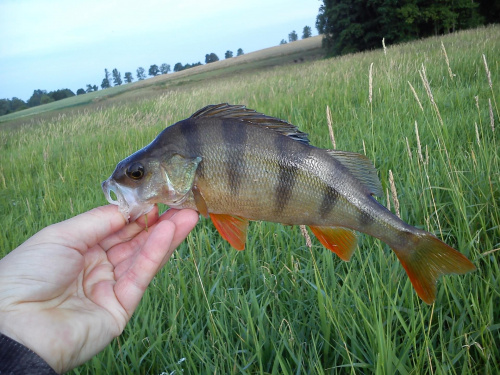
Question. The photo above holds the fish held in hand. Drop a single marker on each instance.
(233, 164)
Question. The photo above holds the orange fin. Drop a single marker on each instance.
(427, 261)
(232, 228)
(339, 240)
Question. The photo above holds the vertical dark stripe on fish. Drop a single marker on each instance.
(330, 197)
(365, 219)
(235, 138)
(288, 165)
(190, 131)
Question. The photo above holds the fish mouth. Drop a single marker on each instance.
(129, 204)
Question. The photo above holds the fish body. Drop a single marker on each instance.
(233, 165)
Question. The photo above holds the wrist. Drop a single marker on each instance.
(16, 358)
(27, 335)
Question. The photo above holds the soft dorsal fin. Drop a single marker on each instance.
(361, 167)
(251, 117)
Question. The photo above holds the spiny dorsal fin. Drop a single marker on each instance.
(249, 116)
(361, 167)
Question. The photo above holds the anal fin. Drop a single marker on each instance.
(339, 240)
(232, 228)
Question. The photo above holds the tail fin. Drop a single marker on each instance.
(427, 260)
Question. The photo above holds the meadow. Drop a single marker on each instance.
(427, 111)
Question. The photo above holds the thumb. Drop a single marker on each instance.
(85, 230)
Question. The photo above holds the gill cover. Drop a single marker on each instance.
(180, 174)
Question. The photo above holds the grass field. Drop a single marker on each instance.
(428, 111)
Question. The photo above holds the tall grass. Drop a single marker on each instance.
(425, 111)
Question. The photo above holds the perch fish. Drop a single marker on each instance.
(233, 164)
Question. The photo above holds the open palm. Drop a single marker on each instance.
(70, 289)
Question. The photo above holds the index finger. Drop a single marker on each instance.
(131, 230)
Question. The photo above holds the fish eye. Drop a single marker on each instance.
(135, 171)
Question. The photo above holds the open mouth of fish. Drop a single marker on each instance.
(126, 199)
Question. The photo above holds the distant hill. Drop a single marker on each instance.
(291, 53)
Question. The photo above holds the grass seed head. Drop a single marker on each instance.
(488, 74)
(447, 61)
(477, 135)
(394, 194)
(418, 143)
(416, 96)
(330, 127)
(304, 233)
(492, 117)
(370, 84)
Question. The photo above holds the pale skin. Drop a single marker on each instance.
(70, 289)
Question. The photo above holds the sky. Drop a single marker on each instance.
(56, 44)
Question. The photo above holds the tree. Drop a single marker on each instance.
(117, 77)
(94, 87)
(164, 68)
(489, 11)
(446, 16)
(17, 104)
(228, 54)
(351, 26)
(128, 77)
(239, 52)
(141, 73)
(187, 66)
(154, 70)
(105, 82)
(4, 106)
(61, 94)
(357, 25)
(210, 58)
(45, 99)
(80, 92)
(90, 88)
(283, 41)
(306, 33)
(11, 105)
(178, 67)
(292, 37)
(36, 98)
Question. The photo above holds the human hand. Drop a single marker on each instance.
(70, 289)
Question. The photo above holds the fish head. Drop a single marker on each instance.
(146, 178)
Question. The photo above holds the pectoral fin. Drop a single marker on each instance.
(181, 173)
(232, 228)
(339, 240)
(201, 205)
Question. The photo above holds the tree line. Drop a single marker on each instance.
(115, 79)
(356, 25)
(110, 79)
(292, 37)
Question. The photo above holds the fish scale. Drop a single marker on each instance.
(233, 164)
(292, 187)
